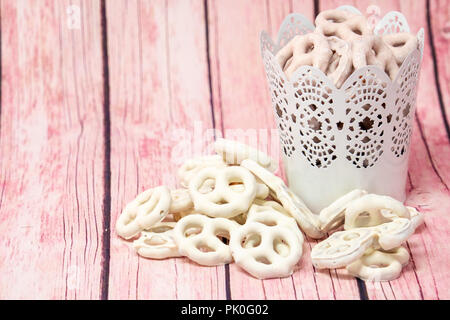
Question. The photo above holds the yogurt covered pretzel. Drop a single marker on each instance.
(146, 210)
(262, 259)
(342, 24)
(401, 45)
(340, 65)
(181, 201)
(192, 166)
(223, 201)
(197, 237)
(307, 221)
(157, 242)
(234, 153)
(372, 50)
(379, 265)
(304, 50)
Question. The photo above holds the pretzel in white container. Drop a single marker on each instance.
(146, 210)
(263, 259)
(197, 237)
(192, 166)
(340, 64)
(372, 210)
(304, 50)
(307, 221)
(223, 201)
(372, 50)
(157, 242)
(333, 215)
(378, 265)
(343, 24)
(401, 45)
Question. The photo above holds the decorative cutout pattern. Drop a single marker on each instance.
(314, 118)
(366, 120)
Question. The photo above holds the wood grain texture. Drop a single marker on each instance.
(51, 144)
(424, 277)
(159, 92)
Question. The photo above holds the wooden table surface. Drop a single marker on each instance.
(90, 112)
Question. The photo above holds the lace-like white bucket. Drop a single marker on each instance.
(335, 140)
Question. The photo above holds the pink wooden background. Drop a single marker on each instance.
(88, 116)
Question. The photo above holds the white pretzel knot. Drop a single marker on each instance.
(223, 201)
(342, 24)
(401, 45)
(197, 237)
(340, 64)
(272, 204)
(192, 166)
(372, 210)
(379, 265)
(311, 49)
(372, 50)
(345, 247)
(263, 260)
(333, 216)
(157, 242)
(233, 152)
(307, 221)
(181, 201)
(146, 210)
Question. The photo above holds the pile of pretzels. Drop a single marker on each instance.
(232, 207)
(343, 42)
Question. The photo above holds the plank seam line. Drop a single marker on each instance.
(436, 71)
(106, 240)
(211, 103)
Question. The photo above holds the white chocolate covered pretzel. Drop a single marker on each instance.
(181, 201)
(372, 210)
(342, 24)
(223, 201)
(401, 45)
(333, 216)
(197, 237)
(146, 210)
(311, 49)
(307, 221)
(157, 242)
(191, 166)
(264, 259)
(372, 50)
(340, 64)
(379, 265)
(234, 152)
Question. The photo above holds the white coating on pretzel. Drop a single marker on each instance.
(378, 265)
(340, 64)
(234, 152)
(223, 201)
(401, 45)
(192, 166)
(342, 24)
(372, 50)
(157, 242)
(372, 210)
(307, 221)
(333, 216)
(181, 201)
(311, 49)
(146, 210)
(262, 260)
(208, 230)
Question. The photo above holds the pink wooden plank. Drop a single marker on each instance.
(159, 98)
(51, 151)
(242, 102)
(426, 276)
